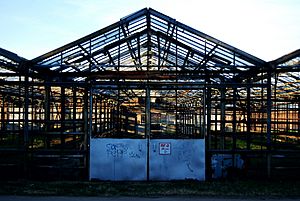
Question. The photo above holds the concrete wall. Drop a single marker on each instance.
(126, 159)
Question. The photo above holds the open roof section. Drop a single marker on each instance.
(11, 71)
(9, 61)
(148, 41)
(291, 59)
(286, 81)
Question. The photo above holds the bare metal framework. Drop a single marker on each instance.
(147, 76)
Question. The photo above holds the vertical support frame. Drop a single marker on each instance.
(148, 128)
(269, 117)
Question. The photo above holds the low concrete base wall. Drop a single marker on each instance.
(126, 159)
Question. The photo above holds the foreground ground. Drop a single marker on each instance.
(56, 198)
(209, 189)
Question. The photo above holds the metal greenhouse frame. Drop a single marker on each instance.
(146, 77)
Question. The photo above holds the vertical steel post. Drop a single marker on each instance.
(26, 122)
(47, 114)
(234, 122)
(148, 128)
(234, 125)
(26, 111)
(206, 127)
(216, 110)
(248, 101)
(74, 111)
(90, 126)
(202, 119)
(94, 110)
(63, 115)
(148, 99)
(207, 117)
(118, 123)
(100, 115)
(3, 112)
(223, 118)
(269, 116)
(86, 129)
(106, 116)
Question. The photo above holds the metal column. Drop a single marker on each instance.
(148, 128)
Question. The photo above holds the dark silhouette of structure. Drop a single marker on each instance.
(147, 76)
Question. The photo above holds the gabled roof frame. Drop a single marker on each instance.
(149, 41)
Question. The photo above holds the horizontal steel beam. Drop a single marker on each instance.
(133, 84)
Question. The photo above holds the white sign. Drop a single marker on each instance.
(165, 148)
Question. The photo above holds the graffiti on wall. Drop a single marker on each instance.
(121, 150)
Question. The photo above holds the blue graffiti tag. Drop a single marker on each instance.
(116, 150)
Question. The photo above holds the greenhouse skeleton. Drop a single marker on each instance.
(144, 84)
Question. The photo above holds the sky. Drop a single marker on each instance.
(267, 29)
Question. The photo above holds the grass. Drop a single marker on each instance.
(261, 189)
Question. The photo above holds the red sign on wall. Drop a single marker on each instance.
(165, 148)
